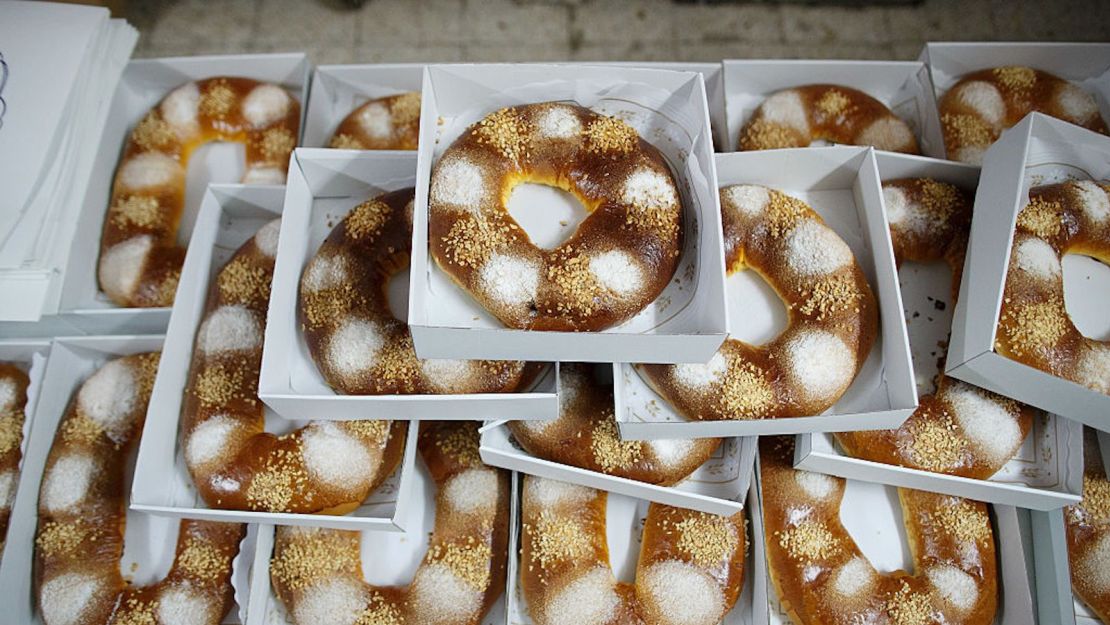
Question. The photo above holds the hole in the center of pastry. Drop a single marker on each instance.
(927, 307)
(548, 214)
(872, 514)
(212, 163)
(392, 558)
(756, 312)
(397, 291)
(624, 527)
(1086, 290)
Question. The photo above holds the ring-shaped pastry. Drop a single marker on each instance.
(389, 123)
(1088, 530)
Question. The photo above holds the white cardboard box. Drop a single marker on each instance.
(148, 540)
(143, 85)
(1039, 150)
(229, 216)
(669, 109)
(903, 86)
(1048, 470)
(324, 185)
(624, 522)
(842, 185)
(872, 515)
(388, 559)
(339, 89)
(1055, 601)
(1086, 64)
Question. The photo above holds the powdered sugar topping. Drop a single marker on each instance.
(813, 248)
(149, 169)
(334, 457)
(67, 482)
(109, 397)
(65, 597)
(559, 122)
(179, 109)
(510, 280)
(821, 363)
(8, 480)
(471, 491)
(971, 154)
(266, 239)
(1076, 104)
(265, 104)
(447, 374)
(650, 189)
(122, 264)
(681, 594)
(547, 493)
(264, 175)
(1037, 258)
(326, 272)
(1093, 365)
(816, 485)
(1093, 199)
(229, 328)
(701, 375)
(671, 452)
(589, 600)
(441, 596)
(887, 133)
(983, 98)
(337, 600)
(7, 394)
(459, 182)
(897, 205)
(617, 271)
(354, 347)
(786, 108)
(954, 586)
(1094, 566)
(181, 606)
(374, 119)
(208, 440)
(986, 423)
(853, 577)
(749, 199)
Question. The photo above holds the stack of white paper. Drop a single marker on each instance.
(59, 65)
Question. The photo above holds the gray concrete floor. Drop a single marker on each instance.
(555, 30)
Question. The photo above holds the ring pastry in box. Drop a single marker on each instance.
(638, 272)
(786, 104)
(1031, 313)
(961, 440)
(583, 447)
(335, 346)
(142, 200)
(364, 107)
(811, 224)
(213, 442)
(22, 365)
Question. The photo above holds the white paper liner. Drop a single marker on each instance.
(241, 572)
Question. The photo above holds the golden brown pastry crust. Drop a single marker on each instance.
(140, 260)
(389, 123)
(13, 402)
(462, 573)
(832, 318)
(344, 288)
(796, 117)
(975, 111)
(323, 467)
(618, 260)
(949, 430)
(821, 576)
(690, 568)
(1033, 325)
(1088, 529)
(82, 511)
(585, 435)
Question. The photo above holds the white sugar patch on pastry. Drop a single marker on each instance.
(547, 493)
(786, 108)
(971, 154)
(181, 606)
(1037, 258)
(536, 426)
(8, 480)
(897, 205)
(559, 122)
(679, 593)
(749, 199)
(447, 374)
(1093, 200)
(701, 375)
(617, 271)
(179, 110)
(853, 577)
(121, 266)
(229, 328)
(208, 440)
(439, 595)
(649, 189)
(149, 169)
(816, 485)
(64, 598)
(67, 482)
(821, 363)
(335, 601)
(985, 99)
(671, 452)
(812, 248)
(571, 381)
(954, 586)
(510, 280)
(7, 394)
(887, 133)
(459, 182)
(266, 239)
(354, 347)
(265, 175)
(326, 272)
(1093, 367)
(472, 490)
(108, 397)
(1076, 104)
(334, 457)
(986, 423)
(589, 600)
(1094, 566)
(265, 104)
(375, 120)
